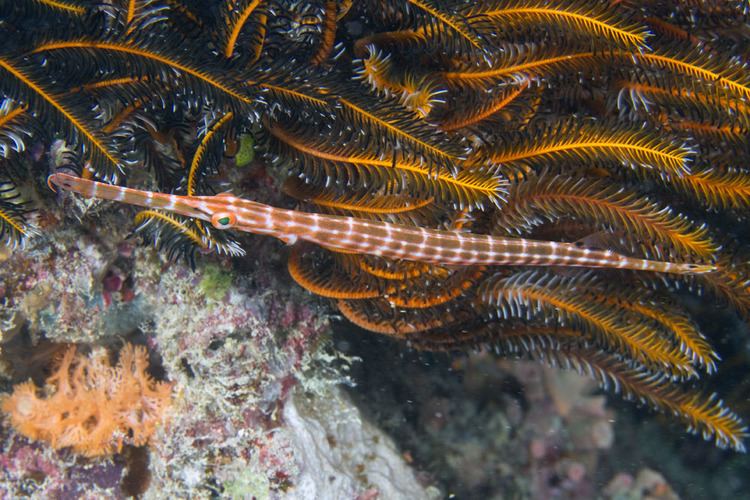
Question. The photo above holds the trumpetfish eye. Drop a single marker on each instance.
(223, 220)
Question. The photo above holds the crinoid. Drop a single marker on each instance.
(616, 126)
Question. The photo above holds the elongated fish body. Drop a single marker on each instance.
(353, 235)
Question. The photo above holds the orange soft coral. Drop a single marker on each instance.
(91, 406)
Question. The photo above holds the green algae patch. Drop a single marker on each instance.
(246, 152)
(215, 282)
(249, 485)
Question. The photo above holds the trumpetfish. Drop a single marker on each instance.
(360, 236)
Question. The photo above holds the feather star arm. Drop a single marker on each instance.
(349, 234)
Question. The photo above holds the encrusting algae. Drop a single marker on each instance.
(91, 406)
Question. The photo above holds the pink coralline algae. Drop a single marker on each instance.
(37, 471)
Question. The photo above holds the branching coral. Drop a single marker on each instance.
(91, 406)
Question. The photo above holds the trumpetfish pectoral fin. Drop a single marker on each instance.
(289, 239)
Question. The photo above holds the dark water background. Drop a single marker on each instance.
(395, 385)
